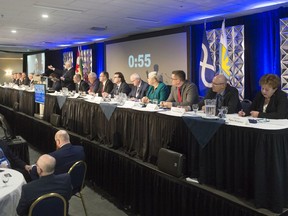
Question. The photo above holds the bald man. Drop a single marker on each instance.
(66, 154)
(66, 75)
(225, 95)
(47, 183)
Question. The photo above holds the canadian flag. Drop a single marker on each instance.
(79, 63)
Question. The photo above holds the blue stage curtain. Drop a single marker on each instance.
(262, 46)
(100, 58)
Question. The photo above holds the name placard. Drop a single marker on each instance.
(238, 120)
(129, 104)
(178, 110)
(98, 100)
(152, 106)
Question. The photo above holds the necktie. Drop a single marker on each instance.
(137, 92)
(179, 95)
(219, 99)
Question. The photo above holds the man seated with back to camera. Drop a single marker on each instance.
(106, 85)
(224, 94)
(9, 160)
(183, 93)
(139, 88)
(66, 154)
(80, 85)
(120, 85)
(47, 183)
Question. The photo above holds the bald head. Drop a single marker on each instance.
(45, 165)
(61, 138)
(219, 83)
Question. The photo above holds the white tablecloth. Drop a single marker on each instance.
(10, 194)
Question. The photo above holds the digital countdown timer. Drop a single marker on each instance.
(140, 61)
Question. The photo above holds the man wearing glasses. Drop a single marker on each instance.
(120, 85)
(224, 94)
(183, 93)
(47, 183)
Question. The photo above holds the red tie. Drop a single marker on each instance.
(179, 95)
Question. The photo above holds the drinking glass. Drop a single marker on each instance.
(195, 108)
(224, 111)
(155, 101)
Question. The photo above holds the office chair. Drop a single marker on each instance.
(77, 173)
(246, 105)
(49, 204)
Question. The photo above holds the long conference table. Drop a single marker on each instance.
(248, 162)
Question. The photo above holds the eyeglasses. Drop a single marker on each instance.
(217, 83)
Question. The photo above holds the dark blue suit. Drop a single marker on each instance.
(60, 184)
(124, 88)
(141, 92)
(65, 157)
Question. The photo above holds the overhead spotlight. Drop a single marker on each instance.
(45, 16)
(13, 31)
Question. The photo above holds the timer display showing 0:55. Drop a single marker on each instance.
(142, 60)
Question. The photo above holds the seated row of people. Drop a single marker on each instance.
(22, 79)
(271, 102)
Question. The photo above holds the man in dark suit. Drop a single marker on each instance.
(47, 183)
(66, 76)
(105, 84)
(31, 79)
(24, 79)
(139, 88)
(183, 93)
(93, 83)
(224, 94)
(120, 85)
(80, 85)
(66, 154)
(9, 160)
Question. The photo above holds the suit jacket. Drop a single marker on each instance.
(189, 94)
(107, 88)
(230, 99)
(31, 82)
(123, 88)
(276, 109)
(66, 156)
(25, 81)
(142, 90)
(60, 184)
(94, 87)
(68, 78)
(83, 86)
(16, 162)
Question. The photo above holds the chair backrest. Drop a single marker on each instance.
(78, 173)
(246, 105)
(49, 204)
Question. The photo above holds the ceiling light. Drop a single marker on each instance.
(141, 20)
(13, 31)
(57, 8)
(45, 16)
(64, 45)
(99, 39)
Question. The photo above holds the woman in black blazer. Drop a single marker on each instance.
(271, 102)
